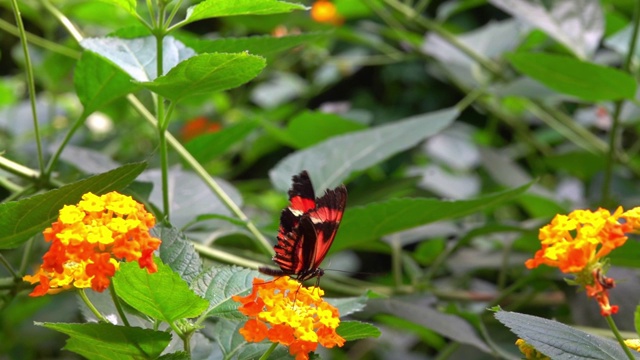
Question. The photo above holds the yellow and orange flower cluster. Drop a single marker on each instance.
(90, 238)
(290, 314)
(577, 243)
(529, 352)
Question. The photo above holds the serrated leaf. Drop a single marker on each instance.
(567, 75)
(365, 223)
(559, 341)
(208, 147)
(137, 57)
(162, 295)
(330, 162)
(263, 45)
(20, 220)
(356, 330)
(215, 8)
(128, 5)
(577, 24)
(98, 82)
(112, 342)
(206, 73)
(178, 252)
(219, 284)
(446, 325)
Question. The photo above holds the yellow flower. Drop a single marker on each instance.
(90, 238)
(633, 344)
(288, 313)
(529, 352)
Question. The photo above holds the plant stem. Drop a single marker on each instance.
(31, 84)
(118, 305)
(618, 336)
(54, 159)
(63, 20)
(42, 42)
(9, 268)
(265, 356)
(615, 132)
(93, 309)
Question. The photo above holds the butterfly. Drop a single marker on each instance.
(308, 227)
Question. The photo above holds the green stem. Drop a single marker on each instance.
(265, 356)
(31, 84)
(618, 336)
(54, 159)
(160, 114)
(93, 309)
(118, 305)
(41, 42)
(9, 268)
(63, 20)
(616, 133)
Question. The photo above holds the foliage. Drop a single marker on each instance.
(460, 128)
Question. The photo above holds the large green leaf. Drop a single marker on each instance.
(207, 73)
(178, 252)
(309, 128)
(109, 342)
(330, 162)
(356, 330)
(577, 24)
(98, 82)
(257, 45)
(20, 220)
(447, 325)
(211, 146)
(365, 223)
(216, 8)
(128, 5)
(588, 81)
(559, 341)
(163, 295)
(137, 57)
(219, 284)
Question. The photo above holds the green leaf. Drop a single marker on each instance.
(588, 81)
(348, 305)
(578, 25)
(216, 8)
(330, 162)
(137, 57)
(219, 284)
(310, 128)
(98, 82)
(207, 73)
(20, 220)
(559, 341)
(128, 5)
(356, 330)
(446, 325)
(178, 252)
(162, 295)
(111, 342)
(256, 45)
(365, 223)
(211, 146)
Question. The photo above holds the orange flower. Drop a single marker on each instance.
(577, 243)
(89, 239)
(324, 11)
(285, 312)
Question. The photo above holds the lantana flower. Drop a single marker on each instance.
(324, 11)
(288, 313)
(89, 239)
(578, 243)
(529, 352)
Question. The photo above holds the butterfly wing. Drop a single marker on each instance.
(326, 219)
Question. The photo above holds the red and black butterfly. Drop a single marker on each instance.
(307, 229)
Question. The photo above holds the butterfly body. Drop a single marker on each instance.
(308, 227)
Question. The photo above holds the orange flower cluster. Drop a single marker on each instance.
(90, 238)
(529, 352)
(287, 313)
(576, 243)
(324, 11)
